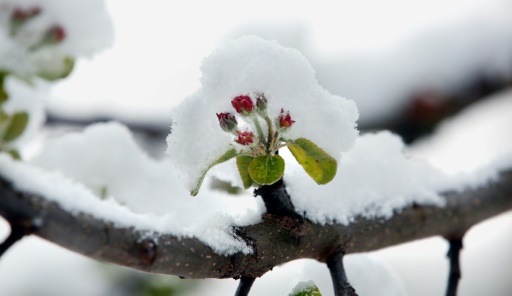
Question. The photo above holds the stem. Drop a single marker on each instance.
(454, 257)
(244, 286)
(261, 136)
(270, 131)
(338, 275)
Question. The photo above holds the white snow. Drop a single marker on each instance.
(87, 26)
(375, 179)
(246, 65)
(142, 193)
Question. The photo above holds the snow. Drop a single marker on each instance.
(247, 65)
(375, 179)
(143, 193)
(87, 26)
(375, 54)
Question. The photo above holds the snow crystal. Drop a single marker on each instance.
(247, 65)
(86, 24)
(102, 172)
(374, 179)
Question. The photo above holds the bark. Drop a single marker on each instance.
(275, 240)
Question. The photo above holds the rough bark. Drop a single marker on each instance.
(275, 240)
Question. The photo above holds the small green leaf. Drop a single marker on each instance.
(14, 153)
(316, 162)
(3, 93)
(3, 116)
(224, 157)
(16, 126)
(266, 169)
(66, 68)
(306, 289)
(243, 162)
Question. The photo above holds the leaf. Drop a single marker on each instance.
(3, 116)
(14, 154)
(3, 95)
(243, 162)
(305, 289)
(319, 165)
(224, 157)
(65, 69)
(16, 126)
(266, 169)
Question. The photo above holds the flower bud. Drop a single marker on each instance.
(54, 35)
(285, 120)
(242, 104)
(261, 105)
(244, 138)
(23, 15)
(227, 121)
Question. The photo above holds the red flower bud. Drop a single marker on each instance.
(242, 104)
(244, 138)
(23, 15)
(285, 120)
(55, 35)
(227, 121)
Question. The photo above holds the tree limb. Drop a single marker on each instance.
(275, 240)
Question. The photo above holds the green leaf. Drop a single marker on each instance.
(14, 153)
(16, 126)
(319, 165)
(305, 289)
(266, 169)
(224, 157)
(3, 116)
(66, 68)
(243, 162)
(3, 93)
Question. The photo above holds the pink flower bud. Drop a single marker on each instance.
(227, 121)
(285, 120)
(242, 104)
(244, 138)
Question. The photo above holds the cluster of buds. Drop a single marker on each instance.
(19, 18)
(252, 111)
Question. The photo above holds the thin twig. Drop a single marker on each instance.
(244, 286)
(455, 274)
(338, 275)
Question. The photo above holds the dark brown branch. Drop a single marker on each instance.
(454, 274)
(339, 278)
(244, 286)
(275, 240)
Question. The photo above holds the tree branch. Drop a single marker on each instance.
(275, 240)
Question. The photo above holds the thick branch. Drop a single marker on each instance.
(275, 240)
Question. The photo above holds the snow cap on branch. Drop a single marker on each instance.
(250, 66)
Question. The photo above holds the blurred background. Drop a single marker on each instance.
(411, 67)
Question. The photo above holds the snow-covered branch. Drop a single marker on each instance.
(275, 240)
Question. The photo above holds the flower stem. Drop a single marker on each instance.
(270, 133)
(261, 136)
